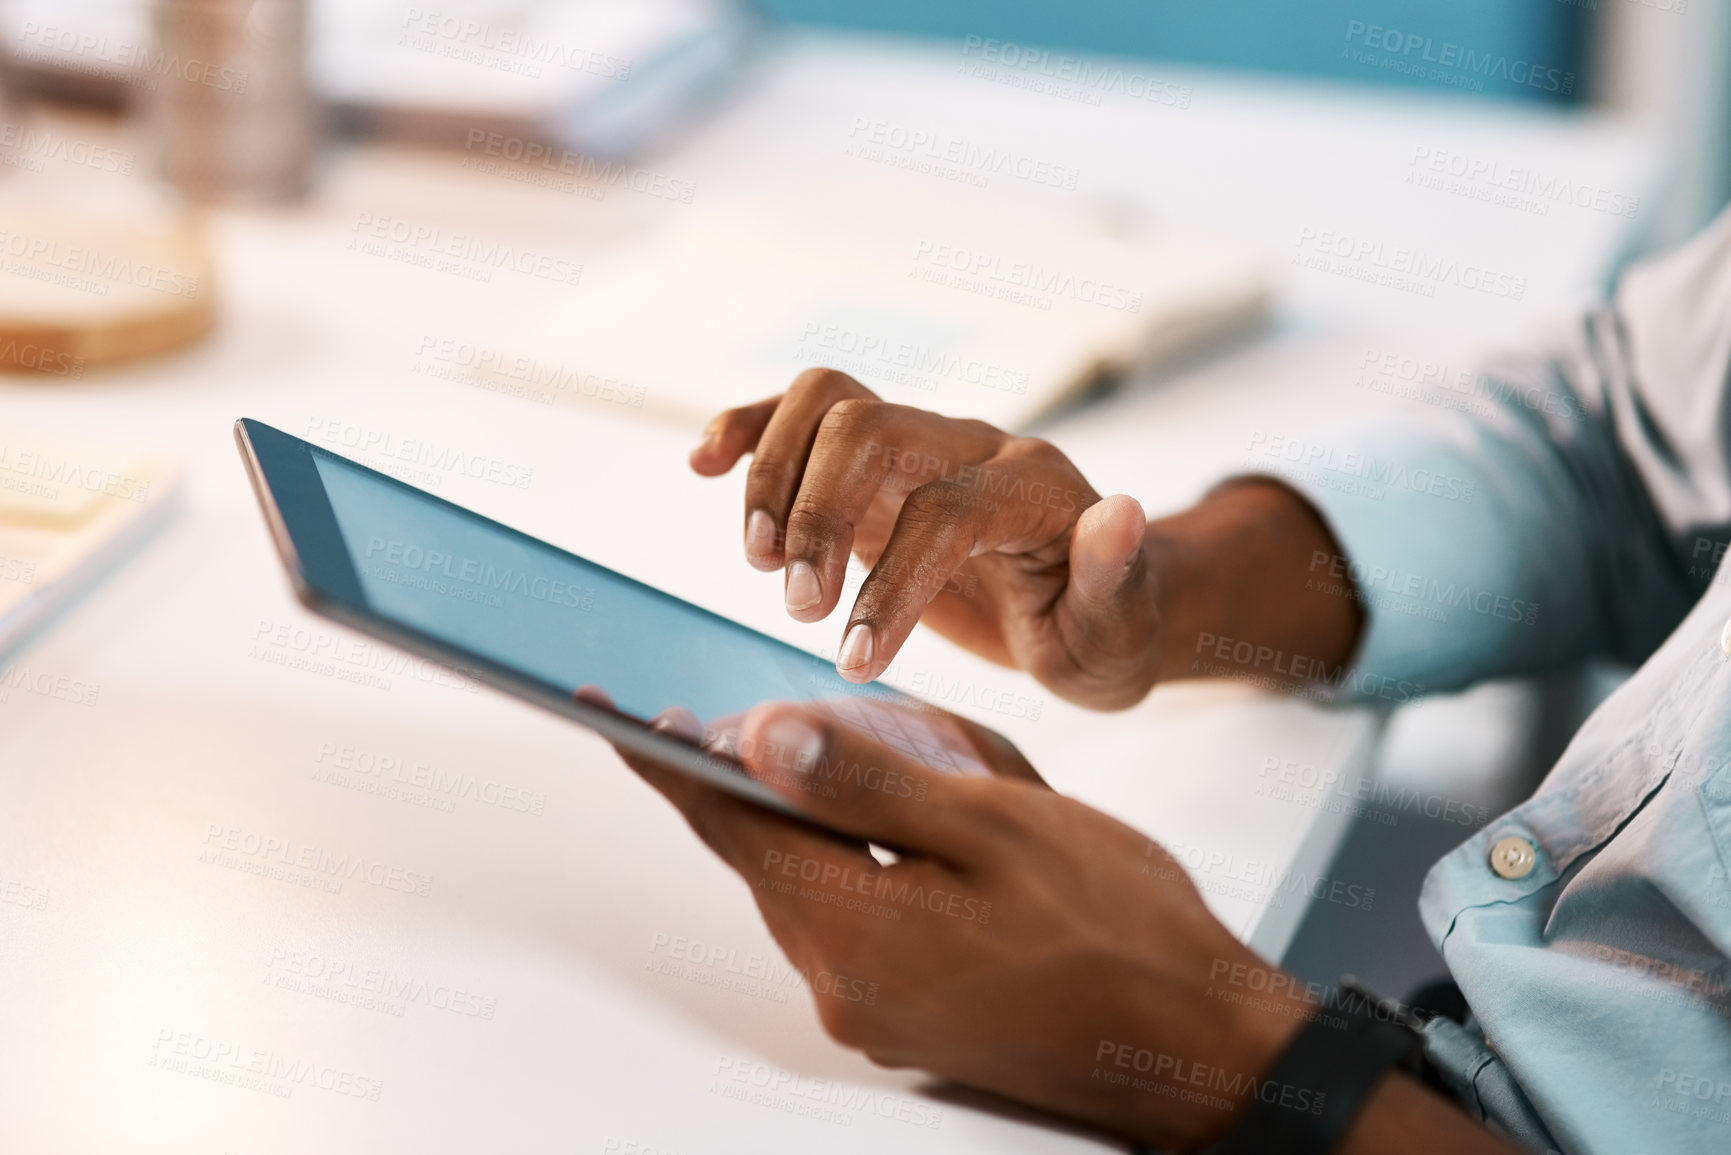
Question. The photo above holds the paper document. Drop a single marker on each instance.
(999, 318)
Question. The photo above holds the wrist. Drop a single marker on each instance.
(1235, 592)
(1188, 1069)
(1186, 602)
(1269, 1009)
(1329, 1086)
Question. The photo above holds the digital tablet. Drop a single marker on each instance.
(531, 619)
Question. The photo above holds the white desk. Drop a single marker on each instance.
(141, 933)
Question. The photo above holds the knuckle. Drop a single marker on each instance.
(811, 521)
(851, 417)
(767, 471)
(1033, 449)
(1041, 456)
(821, 380)
(982, 431)
(938, 503)
(733, 418)
(902, 587)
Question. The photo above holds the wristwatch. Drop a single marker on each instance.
(1309, 1098)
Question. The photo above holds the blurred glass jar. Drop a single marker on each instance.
(5, 105)
(231, 113)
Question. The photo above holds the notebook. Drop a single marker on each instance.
(999, 315)
(70, 514)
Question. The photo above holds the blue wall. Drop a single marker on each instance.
(1491, 45)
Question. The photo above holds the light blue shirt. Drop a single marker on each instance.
(1579, 506)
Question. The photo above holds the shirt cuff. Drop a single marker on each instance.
(1431, 547)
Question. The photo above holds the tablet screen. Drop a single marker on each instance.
(525, 604)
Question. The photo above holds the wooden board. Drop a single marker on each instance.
(81, 293)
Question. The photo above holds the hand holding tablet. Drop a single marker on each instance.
(1014, 940)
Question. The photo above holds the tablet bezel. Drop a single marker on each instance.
(292, 497)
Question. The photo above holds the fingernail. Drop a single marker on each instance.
(794, 743)
(759, 534)
(856, 648)
(679, 722)
(803, 591)
(710, 436)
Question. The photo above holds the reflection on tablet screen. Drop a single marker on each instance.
(569, 622)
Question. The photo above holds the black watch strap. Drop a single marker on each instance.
(1308, 1100)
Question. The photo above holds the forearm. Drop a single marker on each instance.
(1241, 590)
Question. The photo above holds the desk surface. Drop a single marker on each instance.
(532, 953)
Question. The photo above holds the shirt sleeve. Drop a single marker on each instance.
(1570, 504)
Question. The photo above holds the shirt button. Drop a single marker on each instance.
(1513, 857)
(1725, 638)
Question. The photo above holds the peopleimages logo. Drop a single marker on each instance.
(1070, 76)
(482, 42)
(34, 146)
(41, 473)
(1368, 578)
(1315, 461)
(40, 682)
(905, 362)
(1444, 61)
(344, 981)
(993, 274)
(138, 64)
(47, 259)
(823, 1100)
(1521, 187)
(255, 1068)
(886, 142)
(1400, 266)
(484, 576)
(425, 460)
(224, 843)
(1177, 1078)
(1432, 382)
(461, 254)
(586, 174)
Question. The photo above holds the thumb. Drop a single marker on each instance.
(1108, 615)
(1107, 539)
